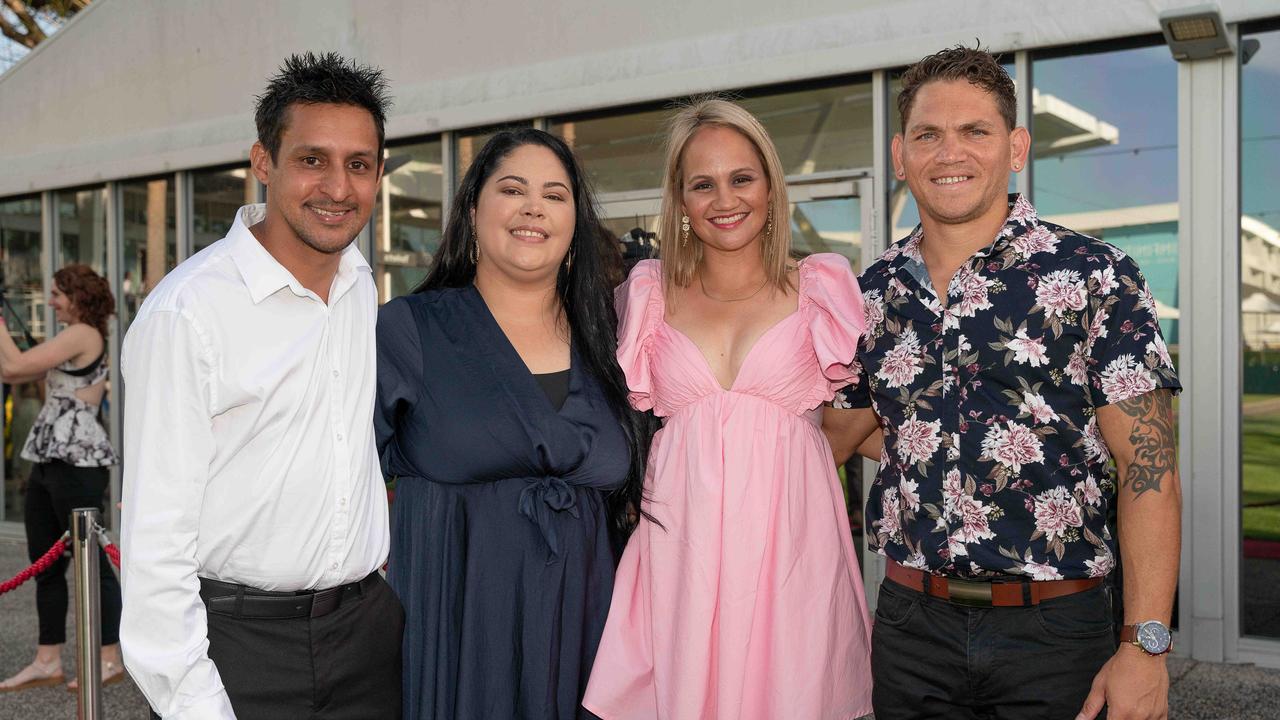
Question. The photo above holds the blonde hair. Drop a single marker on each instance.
(679, 261)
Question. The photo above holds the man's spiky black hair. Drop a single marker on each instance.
(315, 79)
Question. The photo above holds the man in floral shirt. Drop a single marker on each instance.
(1008, 362)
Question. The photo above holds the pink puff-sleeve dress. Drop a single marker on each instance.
(748, 603)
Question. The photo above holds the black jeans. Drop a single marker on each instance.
(53, 491)
(934, 659)
(341, 666)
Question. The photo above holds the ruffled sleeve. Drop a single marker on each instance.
(831, 298)
(639, 305)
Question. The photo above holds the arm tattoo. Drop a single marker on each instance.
(1151, 435)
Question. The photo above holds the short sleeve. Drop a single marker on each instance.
(829, 295)
(399, 371)
(1127, 355)
(857, 394)
(639, 305)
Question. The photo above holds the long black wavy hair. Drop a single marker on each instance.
(585, 294)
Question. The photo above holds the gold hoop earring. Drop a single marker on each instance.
(684, 231)
(568, 262)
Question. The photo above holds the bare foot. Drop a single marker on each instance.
(34, 675)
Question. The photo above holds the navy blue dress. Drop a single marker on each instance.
(499, 542)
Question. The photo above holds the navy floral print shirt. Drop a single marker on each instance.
(993, 464)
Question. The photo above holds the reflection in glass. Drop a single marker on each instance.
(903, 213)
(619, 152)
(815, 130)
(818, 130)
(408, 220)
(831, 225)
(150, 240)
(468, 143)
(216, 195)
(20, 230)
(1104, 144)
(1260, 325)
(82, 228)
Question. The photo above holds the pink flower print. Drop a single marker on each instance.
(901, 364)
(918, 440)
(1089, 491)
(1027, 351)
(1056, 511)
(1034, 405)
(1012, 446)
(1041, 571)
(1039, 239)
(1061, 291)
(1101, 565)
(1078, 365)
(1124, 378)
(1106, 279)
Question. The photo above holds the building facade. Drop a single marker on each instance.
(125, 143)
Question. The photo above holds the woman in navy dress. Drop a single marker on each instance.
(502, 417)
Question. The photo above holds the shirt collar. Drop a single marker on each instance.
(264, 275)
(1021, 219)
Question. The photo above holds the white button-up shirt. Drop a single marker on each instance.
(249, 454)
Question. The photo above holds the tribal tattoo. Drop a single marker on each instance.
(1154, 454)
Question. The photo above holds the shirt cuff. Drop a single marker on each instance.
(214, 707)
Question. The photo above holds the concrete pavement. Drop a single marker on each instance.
(1200, 691)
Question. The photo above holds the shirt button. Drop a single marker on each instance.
(343, 502)
(333, 566)
(339, 437)
(335, 373)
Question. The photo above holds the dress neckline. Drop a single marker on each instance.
(503, 345)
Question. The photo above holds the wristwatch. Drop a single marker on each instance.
(1151, 637)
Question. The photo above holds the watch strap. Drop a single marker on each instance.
(1129, 634)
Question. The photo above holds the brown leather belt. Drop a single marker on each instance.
(981, 593)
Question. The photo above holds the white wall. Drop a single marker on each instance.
(134, 87)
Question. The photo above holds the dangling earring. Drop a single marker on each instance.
(768, 227)
(568, 261)
(475, 248)
(684, 231)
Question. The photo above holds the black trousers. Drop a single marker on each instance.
(341, 666)
(934, 659)
(53, 491)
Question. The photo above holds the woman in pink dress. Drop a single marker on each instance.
(738, 596)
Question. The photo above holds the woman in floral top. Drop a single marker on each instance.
(71, 453)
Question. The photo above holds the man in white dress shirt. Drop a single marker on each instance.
(255, 515)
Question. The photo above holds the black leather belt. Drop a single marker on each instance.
(224, 598)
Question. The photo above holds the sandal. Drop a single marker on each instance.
(112, 673)
(36, 676)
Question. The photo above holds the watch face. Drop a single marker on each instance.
(1154, 637)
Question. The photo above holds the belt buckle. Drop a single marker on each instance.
(967, 592)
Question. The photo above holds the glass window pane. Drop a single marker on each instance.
(828, 225)
(620, 152)
(408, 222)
(903, 213)
(82, 228)
(150, 240)
(1104, 143)
(216, 195)
(468, 143)
(1260, 323)
(23, 288)
(818, 130)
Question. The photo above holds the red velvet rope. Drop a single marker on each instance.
(37, 567)
(112, 552)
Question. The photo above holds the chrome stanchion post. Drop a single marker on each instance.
(84, 522)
